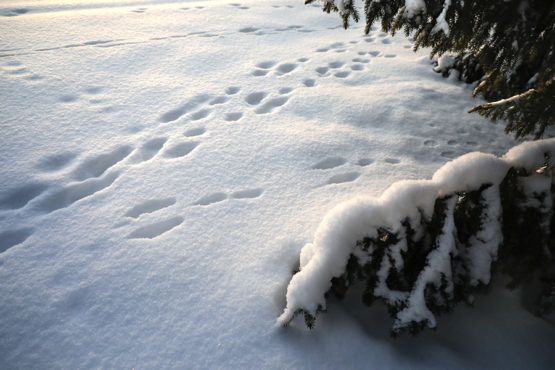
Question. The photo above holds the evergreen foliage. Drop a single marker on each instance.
(429, 262)
(509, 45)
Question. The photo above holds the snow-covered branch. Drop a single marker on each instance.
(425, 245)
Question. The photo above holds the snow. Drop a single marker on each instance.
(164, 162)
(441, 23)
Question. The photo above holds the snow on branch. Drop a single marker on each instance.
(424, 246)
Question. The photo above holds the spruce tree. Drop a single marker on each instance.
(506, 45)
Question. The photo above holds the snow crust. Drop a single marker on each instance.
(336, 236)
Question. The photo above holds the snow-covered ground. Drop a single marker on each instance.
(163, 162)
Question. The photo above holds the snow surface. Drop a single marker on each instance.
(163, 162)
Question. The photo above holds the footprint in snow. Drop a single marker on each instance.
(342, 74)
(309, 82)
(392, 160)
(363, 162)
(247, 194)
(68, 195)
(256, 97)
(343, 177)
(210, 199)
(218, 100)
(271, 105)
(336, 64)
(156, 229)
(178, 112)
(330, 162)
(233, 116)
(96, 165)
(248, 29)
(149, 149)
(203, 113)
(386, 41)
(357, 67)
(285, 68)
(322, 71)
(361, 60)
(181, 149)
(197, 131)
(149, 206)
(232, 90)
(285, 90)
(266, 64)
(259, 72)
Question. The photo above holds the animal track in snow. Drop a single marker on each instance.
(149, 149)
(322, 50)
(256, 97)
(343, 177)
(197, 131)
(386, 41)
(203, 113)
(390, 55)
(361, 60)
(176, 113)
(374, 53)
(259, 72)
(357, 67)
(68, 98)
(20, 196)
(342, 74)
(181, 149)
(56, 162)
(72, 193)
(218, 100)
(285, 90)
(272, 104)
(233, 116)
(266, 64)
(93, 90)
(247, 194)
(210, 199)
(17, 11)
(336, 64)
(12, 238)
(328, 163)
(392, 160)
(248, 29)
(155, 229)
(363, 162)
(322, 70)
(150, 206)
(309, 82)
(232, 90)
(285, 68)
(97, 165)
(303, 60)
(430, 143)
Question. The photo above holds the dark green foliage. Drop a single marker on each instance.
(507, 44)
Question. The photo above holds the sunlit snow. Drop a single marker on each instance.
(163, 162)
